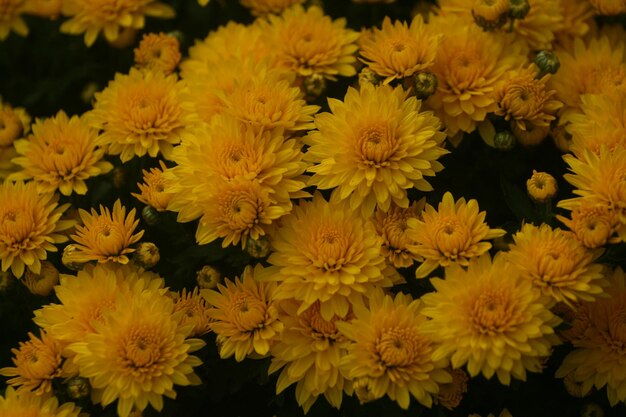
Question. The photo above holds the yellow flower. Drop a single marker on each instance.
(593, 224)
(14, 123)
(393, 227)
(263, 7)
(308, 42)
(470, 64)
(524, 99)
(490, 14)
(137, 353)
(494, 325)
(37, 362)
(609, 7)
(25, 404)
(154, 190)
(105, 237)
(325, 252)
(109, 16)
(373, 147)
(391, 351)
(308, 354)
(598, 358)
(454, 233)
(60, 154)
(11, 18)
(208, 277)
(451, 394)
(398, 50)
(29, 226)
(538, 28)
(142, 112)
(556, 263)
(244, 315)
(43, 282)
(577, 21)
(541, 186)
(195, 311)
(158, 52)
(49, 9)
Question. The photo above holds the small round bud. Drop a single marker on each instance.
(532, 136)
(547, 62)
(150, 215)
(490, 14)
(208, 277)
(258, 248)
(146, 255)
(573, 388)
(68, 258)
(124, 39)
(518, 9)
(89, 90)
(6, 280)
(313, 86)
(364, 390)
(504, 140)
(424, 85)
(561, 137)
(42, 283)
(541, 187)
(367, 76)
(591, 410)
(451, 394)
(77, 387)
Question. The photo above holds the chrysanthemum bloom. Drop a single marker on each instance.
(154, 189)
(391, 351)
(326, 252)
(454, 233)
(244, 315)
(158, 52)
(374, 146)
(490, 14)
(308, 42)
(106, 236)
(60, 154)
(11, 18)
(195, 311)
(44, 282)
(398, 50)
(556, 263)
(393, 227)
(14, 123)
(494, 325)
(470, 64)
(451, 394)
(541, 186)
(144, 112)
(49, 9)
(308, 355)
(609, 7)
(524, 99)
(137, 353)
(25, 404)
(598, 179)
(599, 357)
(85, 299)
(29, 226)
(594, 225)
(37, 362)
(263, 7)
(109, 16)
(577, 21)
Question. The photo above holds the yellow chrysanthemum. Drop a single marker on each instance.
(263, 7)
(308, 42)
(494, 325)
(594, 225)
(326, 252)
(48, 9)
(541, 187)
(609, 7)
(454, 233)
(390, 353)
(154, 189)
(195, 311)
(11, 18)
(451, 394)
(577, 21)
(398, 50)
(105, 236)
(373, 147)
(137, 353)
(37, 362)
(44, 282)
(88, 296)
(523, 99)
(109, 16)
(470, 64)
(158, 52)
(244, 315)
(25, 404)
(556, 263)
(598, 179)
(29, 226)
(60, 154)
(14, 124)
(393, 227)
(308, 355)
(599, 357)
(144, 112)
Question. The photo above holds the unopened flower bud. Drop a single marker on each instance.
(208, 277)
(258, 248)
(6, 280)
(424, 85)
(541, 187)
(591, 410)
(547, 62)
(150, 215)
(364, 390)
(77, 387)
(313, 86)
(146, 255)
(68, 258)
(573, 388)
(43, 282)
(88, 92)
(367, 76)
(532, 136)
(125, 38)
(119, 177)
(490, 14)
(518, 9)
(504, 140)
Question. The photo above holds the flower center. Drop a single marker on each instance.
(397, 347)
(247, 312)
(142, 349)
(492, 312)
(377, 144)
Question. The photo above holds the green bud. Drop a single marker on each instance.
(313, 86)
(518, 9)
(504, 140)
(77, 387)
(146, 255)
(258, 248)
(547, 62)
(424, 85)
(150, 215)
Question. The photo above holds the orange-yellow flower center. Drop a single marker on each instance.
(236, 160)
(493, 312)
(240, 209)
(36, 361)
(399, 347)
(452, 236)
(16, 227)
(142, 350)
(246, 312)
(377, 144)
(330, 247)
